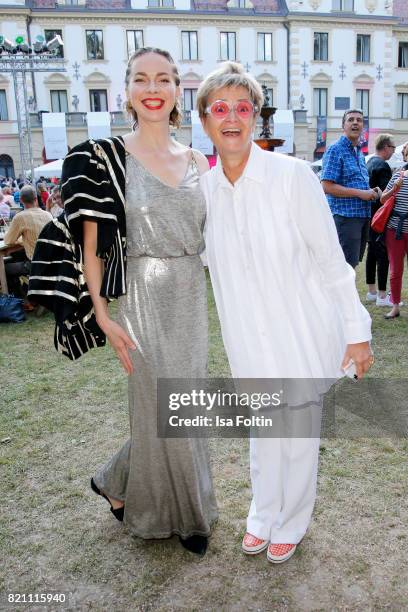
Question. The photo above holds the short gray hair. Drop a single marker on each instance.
(382, 141)
(28, 194)
(229, 74)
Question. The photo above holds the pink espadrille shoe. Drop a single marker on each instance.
(251, 545)
(278, 553)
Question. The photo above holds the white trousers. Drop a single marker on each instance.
(284, 477)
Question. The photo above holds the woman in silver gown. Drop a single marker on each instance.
(157, 486)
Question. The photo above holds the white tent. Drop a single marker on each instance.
(49, 170)
(317, 164)
(396, 160)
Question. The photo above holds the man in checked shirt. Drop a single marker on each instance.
(346, 183)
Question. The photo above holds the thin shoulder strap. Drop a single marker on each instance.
(194, 164)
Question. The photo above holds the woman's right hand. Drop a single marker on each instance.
(120, 342)
(94, 269)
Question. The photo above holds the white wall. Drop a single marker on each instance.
(166, 36)
(342, 50)
(165, 32)
(361, 7)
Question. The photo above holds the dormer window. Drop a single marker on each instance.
(160, 3)
(346, 6)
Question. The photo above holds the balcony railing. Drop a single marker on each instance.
(118, 118)
(79, 119)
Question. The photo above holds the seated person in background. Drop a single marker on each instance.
(16, 196)
(26, 225)
(4, 208)
(43, 195)
(8, 197)
(54, 203)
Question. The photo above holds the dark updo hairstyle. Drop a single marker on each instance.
(175, 115)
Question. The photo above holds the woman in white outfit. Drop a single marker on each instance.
(286, 297)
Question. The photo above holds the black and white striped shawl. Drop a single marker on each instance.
(93, 188)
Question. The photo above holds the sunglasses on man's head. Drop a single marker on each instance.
(243, 109)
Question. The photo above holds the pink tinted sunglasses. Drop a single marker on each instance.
(220, 109)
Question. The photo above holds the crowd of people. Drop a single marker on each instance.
(24, 211)
(25, 226)
(355, 191)
(47, 192)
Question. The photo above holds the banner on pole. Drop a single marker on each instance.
(365, 136)
(283, 127)
(321, 136)
(99, 125)
(55, 135)
(199, 139)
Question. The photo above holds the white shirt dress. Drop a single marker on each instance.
(286, 297)
(288, 307)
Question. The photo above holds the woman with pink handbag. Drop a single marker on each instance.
(396, 233)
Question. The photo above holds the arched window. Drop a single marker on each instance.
(6, 166)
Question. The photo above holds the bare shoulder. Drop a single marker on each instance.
(128, 137)
(202, 161)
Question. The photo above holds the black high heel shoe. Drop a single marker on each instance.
(390, 316)
(117, 512)
(196, 544)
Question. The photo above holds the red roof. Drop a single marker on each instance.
(400, 9)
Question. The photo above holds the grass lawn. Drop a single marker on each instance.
(62, 419)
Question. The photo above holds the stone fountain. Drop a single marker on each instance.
(265, 140)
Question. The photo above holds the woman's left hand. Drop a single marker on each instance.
(362, 356)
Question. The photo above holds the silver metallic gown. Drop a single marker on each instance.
(166, 484)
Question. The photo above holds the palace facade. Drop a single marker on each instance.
(316, 57)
